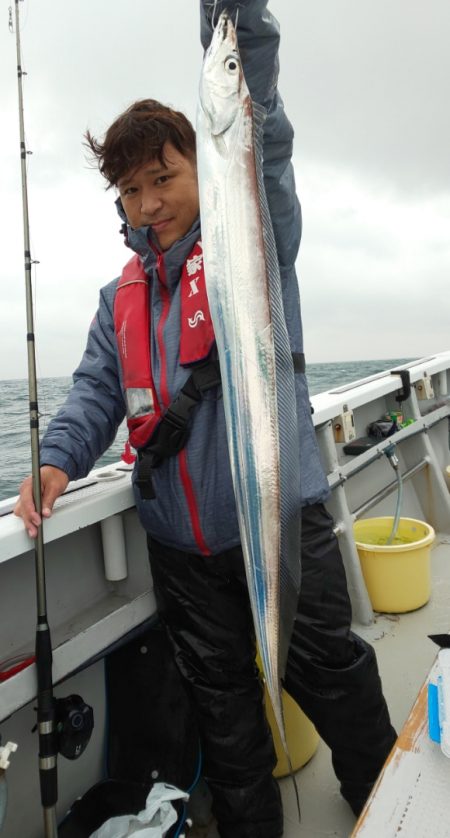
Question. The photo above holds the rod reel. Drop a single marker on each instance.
(74, 723)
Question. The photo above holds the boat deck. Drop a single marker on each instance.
(405, 656)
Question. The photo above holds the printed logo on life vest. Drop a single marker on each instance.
(194, 289)
(194, 264)
(123, 339)
(195, 320)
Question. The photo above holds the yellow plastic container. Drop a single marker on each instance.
(301, 735)
(447, 477)
(397, 575)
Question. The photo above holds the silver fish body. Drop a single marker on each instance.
(244, 291)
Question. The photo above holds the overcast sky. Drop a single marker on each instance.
(366, 85)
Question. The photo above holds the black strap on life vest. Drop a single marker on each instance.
(172, 433)
(299, 362)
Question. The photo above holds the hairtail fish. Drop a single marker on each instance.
(244, 292)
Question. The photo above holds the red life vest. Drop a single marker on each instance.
(132, 312)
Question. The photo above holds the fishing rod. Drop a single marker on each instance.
(46, 708)
(64, 725)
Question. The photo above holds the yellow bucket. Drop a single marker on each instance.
(447, 477)
(301, 735)
(397, 575)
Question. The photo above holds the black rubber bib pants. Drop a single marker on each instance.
(331, 673)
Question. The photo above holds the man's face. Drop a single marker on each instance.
(164, 197)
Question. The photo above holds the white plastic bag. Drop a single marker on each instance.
(153, 822)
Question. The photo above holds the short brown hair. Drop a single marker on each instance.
(138, 135)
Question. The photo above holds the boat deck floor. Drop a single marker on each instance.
(405, 656)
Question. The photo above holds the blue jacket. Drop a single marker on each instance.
(194, 510)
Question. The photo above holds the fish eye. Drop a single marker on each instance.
(231, 64)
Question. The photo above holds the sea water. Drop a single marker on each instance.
(15, 450)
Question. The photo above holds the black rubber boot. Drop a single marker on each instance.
(351, 716)
(250, 811)
(332, 673)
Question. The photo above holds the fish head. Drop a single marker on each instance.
(223, 89)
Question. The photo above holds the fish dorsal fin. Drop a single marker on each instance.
(259, 118)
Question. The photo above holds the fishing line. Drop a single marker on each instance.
(24, 22)
(237, 15)
(43, 395)
(213, 18)
(43, 392)
(34, 262)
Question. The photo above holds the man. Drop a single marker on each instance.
(138, 359)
